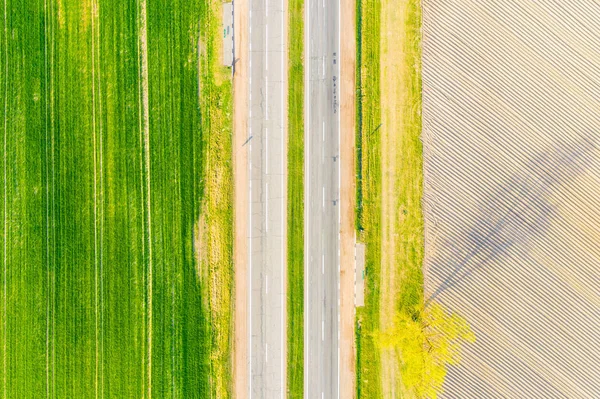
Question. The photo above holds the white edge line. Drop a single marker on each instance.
(307, 184)
(249, 126)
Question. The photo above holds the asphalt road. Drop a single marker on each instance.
(267, 209)
(322, 182)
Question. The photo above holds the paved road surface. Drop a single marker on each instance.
(322, 200)
(267, 211)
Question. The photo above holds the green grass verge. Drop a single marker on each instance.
(216, 225)
(368, 141)
(369, 214)
(295, 212)
(81, 228)
(410, 247)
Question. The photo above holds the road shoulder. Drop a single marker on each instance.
(240, 167)
(347, 196)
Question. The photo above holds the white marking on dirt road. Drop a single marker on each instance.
(266, 207)
(339, 165)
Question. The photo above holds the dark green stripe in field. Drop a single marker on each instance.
(101, 292)
(295, 213)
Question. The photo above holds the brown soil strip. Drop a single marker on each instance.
(348, 197)
(392, 63)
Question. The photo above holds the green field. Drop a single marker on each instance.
(110, 152)
(295, 214)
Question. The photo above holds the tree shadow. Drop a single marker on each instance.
(515, 213)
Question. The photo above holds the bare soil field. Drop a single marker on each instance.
(511, 188)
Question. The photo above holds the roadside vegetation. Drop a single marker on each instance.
(295, 211)
(368, 199)
(426, 341)
(403, 344)
(215, 246)
(111, 156)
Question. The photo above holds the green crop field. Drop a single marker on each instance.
(114, 150)
(295, 214)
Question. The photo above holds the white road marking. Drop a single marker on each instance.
(250, 216)
(266, 207)
(266, 284)
(323, 131)
(307, 191)
(323, 264)
(267, 151)
(339, 190)
(323, 196)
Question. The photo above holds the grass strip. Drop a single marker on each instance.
(216, 219)
(408, 250)
(368, 182)
(295, 211)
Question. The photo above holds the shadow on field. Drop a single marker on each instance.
(515, 213)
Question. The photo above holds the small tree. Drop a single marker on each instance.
(426, 340)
